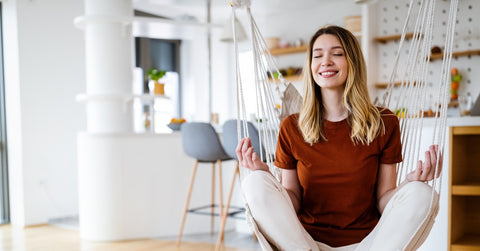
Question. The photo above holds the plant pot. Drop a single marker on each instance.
(158, 88)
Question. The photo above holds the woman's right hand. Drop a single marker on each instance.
(247, 156)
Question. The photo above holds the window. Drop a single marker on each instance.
(4, 199)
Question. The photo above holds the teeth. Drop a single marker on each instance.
(327, 73)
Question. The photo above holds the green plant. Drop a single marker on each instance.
(155, 74)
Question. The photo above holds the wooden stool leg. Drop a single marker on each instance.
(212, 209)
(189, 194)
(227, 205)
(220, 185)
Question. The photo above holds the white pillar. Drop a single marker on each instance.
(103, 162)
(109, 71)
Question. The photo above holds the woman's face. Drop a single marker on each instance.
(329, 64)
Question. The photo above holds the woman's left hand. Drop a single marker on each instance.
(425, 170)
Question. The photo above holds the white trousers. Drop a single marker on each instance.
(404, 224)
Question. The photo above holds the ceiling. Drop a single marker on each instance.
(220, 9)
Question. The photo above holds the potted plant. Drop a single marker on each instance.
(155, 75)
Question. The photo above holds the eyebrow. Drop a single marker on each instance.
(335, 47)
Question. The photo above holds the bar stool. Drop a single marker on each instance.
(201, 142)
(230, 142)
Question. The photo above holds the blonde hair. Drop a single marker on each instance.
(363, 117)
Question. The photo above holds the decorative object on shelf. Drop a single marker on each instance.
(436, 50)
(147, 122)
(156, 87)
(456, 78)
(286, 72)
(353, 24)
(465, 105)
(214, 118)
(176, 123)
(272, 42)
(475, 111)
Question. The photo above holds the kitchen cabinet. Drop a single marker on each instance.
(464, 188)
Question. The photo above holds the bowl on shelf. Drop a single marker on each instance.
(175, 126)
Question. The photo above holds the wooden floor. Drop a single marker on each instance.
(51, 238)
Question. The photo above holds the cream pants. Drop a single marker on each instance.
(404, 224)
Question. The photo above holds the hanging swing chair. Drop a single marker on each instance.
(409, 97)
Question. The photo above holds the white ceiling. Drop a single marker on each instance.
(220, 9)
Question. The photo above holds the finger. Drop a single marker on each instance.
(245, 146)
(238, 150)
(426, 167)
(255, 160)
(248, 157)
(415, 174)
(435, 162)
(433, 156)
(430, 172)
(440, 162)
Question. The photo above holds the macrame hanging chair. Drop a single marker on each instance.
(408, 98)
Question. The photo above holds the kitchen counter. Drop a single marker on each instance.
(134, 186)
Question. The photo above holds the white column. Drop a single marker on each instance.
(103, 162)
(109, 71)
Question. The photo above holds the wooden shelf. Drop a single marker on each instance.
(288, 50)
(455, 54)
(466, 130)
(385, 39)
(466, 189)
(385, 85)
(466, 243)
(291, 78)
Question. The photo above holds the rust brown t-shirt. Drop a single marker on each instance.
(338, 178)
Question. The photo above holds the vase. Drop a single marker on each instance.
(158, 88)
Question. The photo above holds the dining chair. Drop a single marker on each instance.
(200, 141)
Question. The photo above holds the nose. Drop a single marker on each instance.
(326, 60)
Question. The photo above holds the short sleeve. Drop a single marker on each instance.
(284, 157)
(392, 147)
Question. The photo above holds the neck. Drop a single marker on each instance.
(335, 110)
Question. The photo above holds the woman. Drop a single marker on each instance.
(338, 159)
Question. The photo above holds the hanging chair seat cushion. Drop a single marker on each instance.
(291, 102)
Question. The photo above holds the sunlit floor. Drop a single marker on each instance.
(54, 238)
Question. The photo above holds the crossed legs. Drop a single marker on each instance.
(404, 225)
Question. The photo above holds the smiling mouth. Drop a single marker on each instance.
(328, 73)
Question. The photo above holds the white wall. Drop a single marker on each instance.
(44, 70)
(194, 73)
